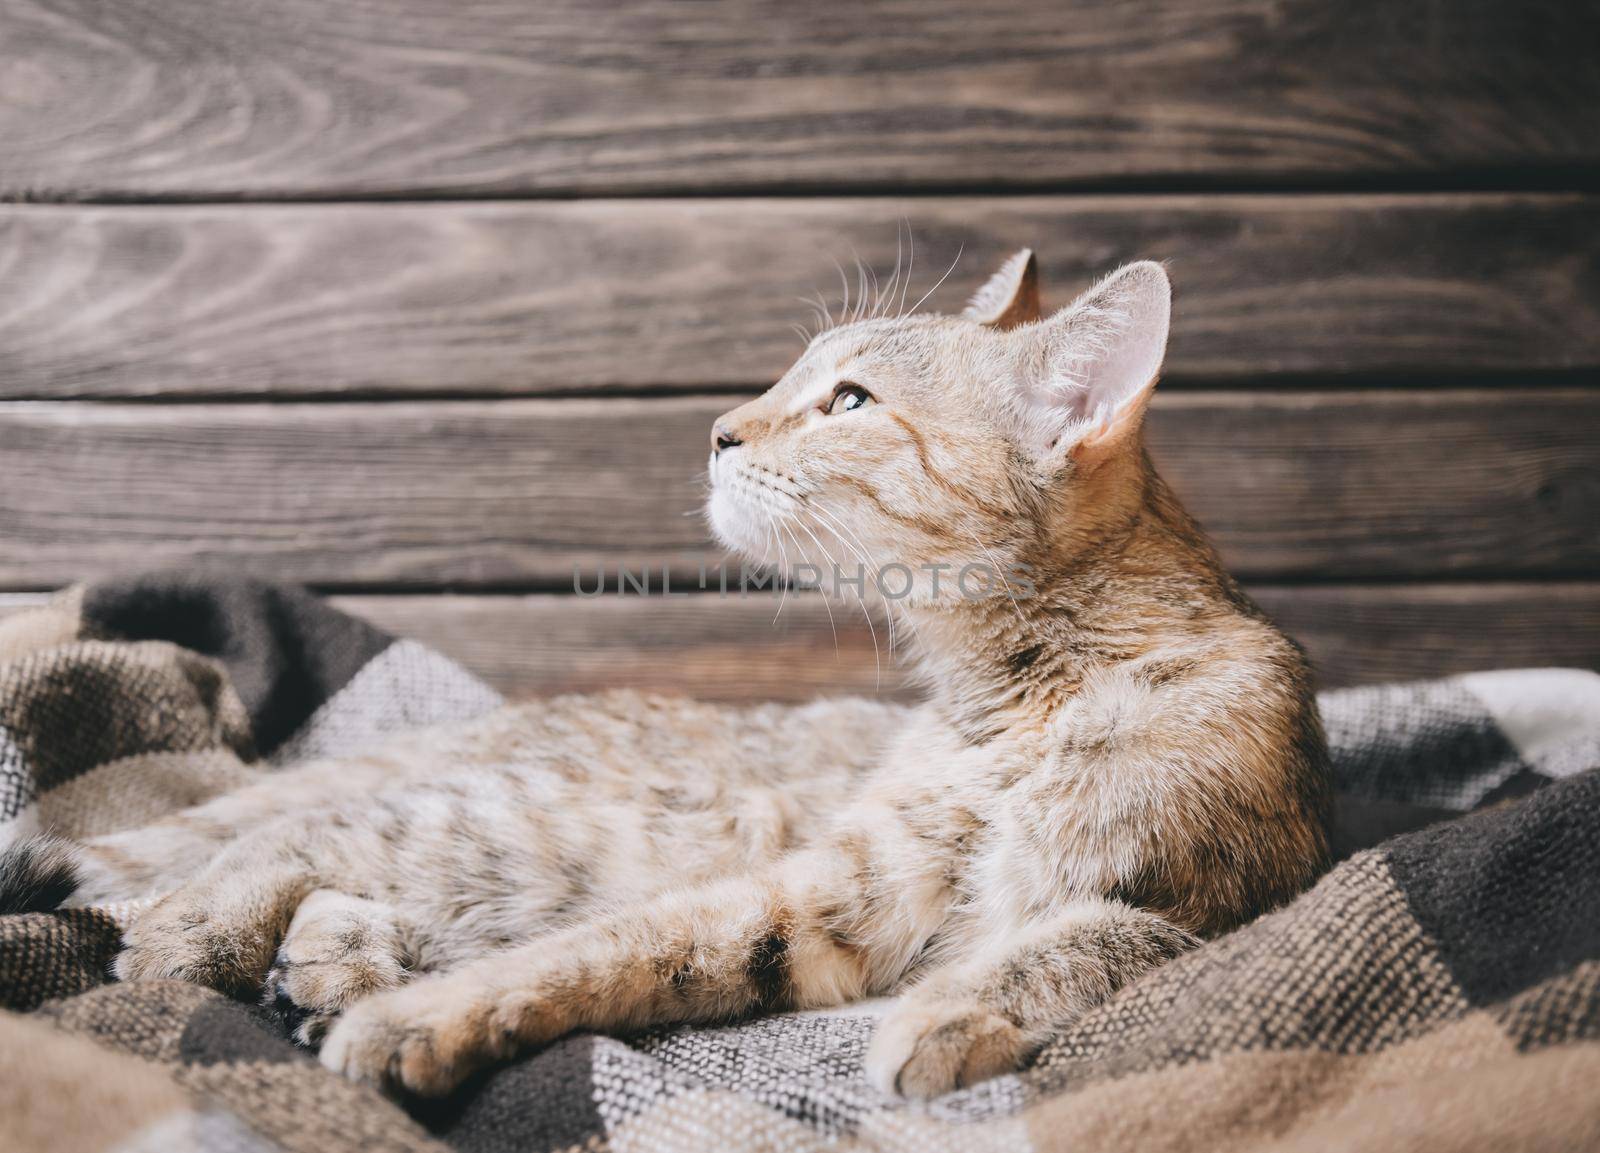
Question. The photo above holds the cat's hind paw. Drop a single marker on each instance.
(923, 1050)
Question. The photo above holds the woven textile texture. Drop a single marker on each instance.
(1438, 989)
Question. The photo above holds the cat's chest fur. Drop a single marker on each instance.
(1028, 823)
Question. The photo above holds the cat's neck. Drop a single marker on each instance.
(1119, 594)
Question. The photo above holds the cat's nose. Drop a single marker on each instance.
(723, 437)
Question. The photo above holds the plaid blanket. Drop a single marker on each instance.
(1440, 990)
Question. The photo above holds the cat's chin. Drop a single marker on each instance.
(735, 527)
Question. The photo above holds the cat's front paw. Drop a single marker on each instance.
(423, 1038)
(187, 937)
(429, 1036)
(338, 950)
(923, 1050)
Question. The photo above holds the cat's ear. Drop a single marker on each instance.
(1089, 370)
(1010, 297)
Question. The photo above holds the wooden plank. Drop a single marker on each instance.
(735, 649)
(730, 649)
(525, 298)
(226, 98)
(1368, 634)
(1311, 485)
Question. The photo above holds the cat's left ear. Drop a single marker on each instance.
(1010, 297)
(1089, 370)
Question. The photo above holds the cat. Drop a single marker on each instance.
(1116, 756)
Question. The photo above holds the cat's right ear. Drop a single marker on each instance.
(1010, 297)
(1088, 371)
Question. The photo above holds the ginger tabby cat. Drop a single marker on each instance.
(1115, 757)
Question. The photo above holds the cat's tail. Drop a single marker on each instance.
(39, 873)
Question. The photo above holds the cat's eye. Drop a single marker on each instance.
(848, 397)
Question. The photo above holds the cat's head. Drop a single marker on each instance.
(976, 441)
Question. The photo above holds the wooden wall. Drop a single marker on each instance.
(427, 302)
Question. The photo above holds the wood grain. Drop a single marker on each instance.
(513, 494)
(731, 649)
(227, 98)
(526, 298)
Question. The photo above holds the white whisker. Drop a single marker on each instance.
(1004, 583)
(884, 298)
(766, 544)
(894, 282)
(872, 628)
(783, 564)
(824, 313)
(911, 264)
(826, 602)
(941, 280)
(783, 526)
(839, 528)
